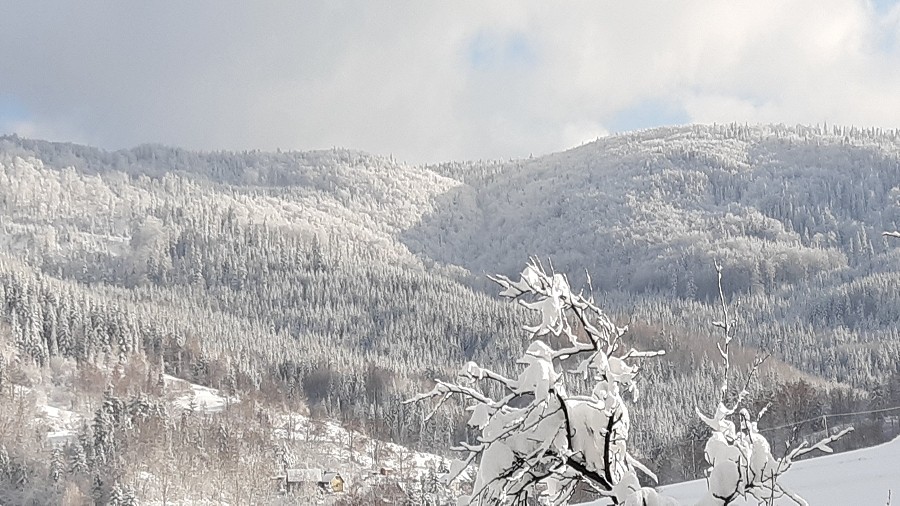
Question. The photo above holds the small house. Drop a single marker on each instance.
(332, 483)
(300, 480)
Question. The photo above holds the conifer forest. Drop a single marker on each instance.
(333, 286)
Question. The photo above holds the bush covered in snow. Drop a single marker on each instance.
(539, 438)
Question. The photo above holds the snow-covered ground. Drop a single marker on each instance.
(62, 424)
(197, 397)
(320, 444)
(333, 442)
(327, 444)
(859, 477)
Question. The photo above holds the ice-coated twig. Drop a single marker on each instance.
(742, 447)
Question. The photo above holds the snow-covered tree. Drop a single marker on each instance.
(534, 428)
(740, 458)
(535, 431)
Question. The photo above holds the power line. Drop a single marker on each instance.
(769, 429)
(792, 424)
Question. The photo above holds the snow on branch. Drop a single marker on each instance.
(740, 458)
(539, 432)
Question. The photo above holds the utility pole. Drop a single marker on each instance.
(693, 463)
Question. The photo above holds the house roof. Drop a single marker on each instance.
(329, 477)
(304, 475)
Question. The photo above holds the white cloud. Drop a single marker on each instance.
(580, 132)
(435, 80)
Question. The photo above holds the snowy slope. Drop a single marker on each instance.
(855, 478)
(334, 441)
(62, 424)
(198, 397)
(330, 437)
(318, 444)
(859, 477)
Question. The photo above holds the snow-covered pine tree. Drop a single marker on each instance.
(57, 465)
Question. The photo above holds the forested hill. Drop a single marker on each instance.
(344, 280)
(258, 271)
(794, 214)
(649, 211)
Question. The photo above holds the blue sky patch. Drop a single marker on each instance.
(648, 113)
(886, 40)
(883, 6)
(11, 109)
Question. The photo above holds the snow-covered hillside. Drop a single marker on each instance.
(355, 455)
(859, 477)
(187, 395)
(855, 478)
(304, 443)
(345, 281)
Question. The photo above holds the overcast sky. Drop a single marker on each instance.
(431, 81)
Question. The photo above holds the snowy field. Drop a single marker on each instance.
(855, 478)
(197, 397)
(61, 423)
(859, 477)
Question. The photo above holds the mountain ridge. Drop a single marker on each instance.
(347, 282)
